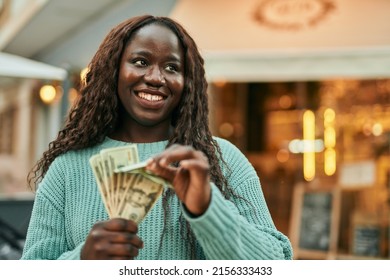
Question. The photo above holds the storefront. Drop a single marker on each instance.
(27, 125)
(303, 88)
(327, 135)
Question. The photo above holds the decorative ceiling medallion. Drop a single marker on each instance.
(292, 14)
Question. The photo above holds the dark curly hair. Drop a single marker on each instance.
(96, 114)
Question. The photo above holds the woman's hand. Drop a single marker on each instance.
(189, 172)
(115, 239)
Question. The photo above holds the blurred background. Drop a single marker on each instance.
(302, 87)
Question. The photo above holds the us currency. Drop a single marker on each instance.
(127, 181)
(140, 198)
(112, 159)
(97, 168)
(139, 168)
(127, 188)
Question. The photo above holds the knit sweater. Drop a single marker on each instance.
(68, 203)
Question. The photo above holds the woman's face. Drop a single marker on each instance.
(151, 76)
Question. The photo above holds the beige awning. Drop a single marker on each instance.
(264, 40)
(20, 67)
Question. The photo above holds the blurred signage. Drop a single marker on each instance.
(292, 14)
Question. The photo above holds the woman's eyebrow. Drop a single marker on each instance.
(171, 57)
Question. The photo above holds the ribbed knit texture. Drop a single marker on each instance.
(68, 203)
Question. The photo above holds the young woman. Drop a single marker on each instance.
(146, 85)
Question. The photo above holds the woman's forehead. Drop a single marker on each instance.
(155, 38)
(155, 31)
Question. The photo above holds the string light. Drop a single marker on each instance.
(47, 93)
(329, 142)
(309, 161)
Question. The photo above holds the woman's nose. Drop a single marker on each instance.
(154, 76)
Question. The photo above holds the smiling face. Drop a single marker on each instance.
(151, 77)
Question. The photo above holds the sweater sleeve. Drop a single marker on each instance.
(46, 237)
(242, 227)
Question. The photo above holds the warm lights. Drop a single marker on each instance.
(329, 137)
(83, 75)
(298, 146)
(330, 161)
(48, 94)
(283, 155)
(309, 161)
(329, 142)
(285, 101)
(226, 129)
(377, 129)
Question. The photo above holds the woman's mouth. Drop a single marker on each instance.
(149, 97)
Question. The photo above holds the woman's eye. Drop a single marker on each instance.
(172, 68)
(139, 62)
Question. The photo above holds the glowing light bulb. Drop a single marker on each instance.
(47, 93)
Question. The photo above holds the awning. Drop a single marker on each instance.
(266, 40)
(20, 67)
(373, 63)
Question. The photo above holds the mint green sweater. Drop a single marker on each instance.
(68, 203)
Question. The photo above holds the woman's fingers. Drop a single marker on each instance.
(127, 238)
(119, 224)
(168, 163)
(176, 154)
(115, 238)
(166, 172)
(189, 172)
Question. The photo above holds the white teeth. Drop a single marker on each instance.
(150, 97)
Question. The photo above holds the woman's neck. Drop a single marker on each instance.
(142, 134)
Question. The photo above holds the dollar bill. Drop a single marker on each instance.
(139, 198)
(139, 168)
(97, 168)
(128, 190)
(114, 158)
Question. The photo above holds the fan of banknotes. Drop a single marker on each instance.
(128, 190)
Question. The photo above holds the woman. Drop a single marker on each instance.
(146, 85)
